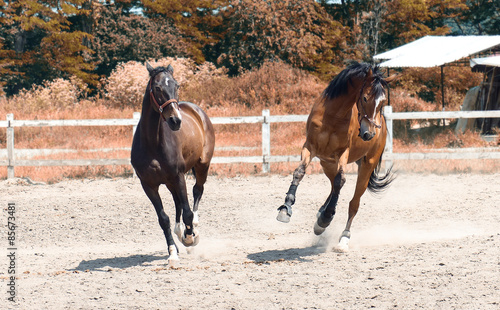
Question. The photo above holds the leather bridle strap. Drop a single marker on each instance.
(165, 104)
(364, 112)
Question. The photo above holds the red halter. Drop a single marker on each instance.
(160, 107)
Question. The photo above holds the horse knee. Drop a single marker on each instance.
(339, 181)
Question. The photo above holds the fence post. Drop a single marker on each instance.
(10, 146)
(266, 141)
(388, 141)
(136, 116)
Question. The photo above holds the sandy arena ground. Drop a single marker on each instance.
(430, 242)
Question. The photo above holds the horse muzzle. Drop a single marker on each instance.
(366, 132)
(174, 123)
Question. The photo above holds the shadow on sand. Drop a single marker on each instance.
(294, 254)
(104, 264)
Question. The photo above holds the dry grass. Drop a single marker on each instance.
(275, 86)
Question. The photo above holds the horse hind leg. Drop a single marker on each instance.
(200, 172)
(285, 210)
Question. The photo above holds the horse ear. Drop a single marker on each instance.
(170, 69)
(392, 78)
(150, 69)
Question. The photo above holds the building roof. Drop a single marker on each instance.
(433, 51)
(481, 63)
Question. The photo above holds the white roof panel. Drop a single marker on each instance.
(493, 61)
(433, 51)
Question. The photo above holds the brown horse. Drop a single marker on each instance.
(172, 138)
(346, 125)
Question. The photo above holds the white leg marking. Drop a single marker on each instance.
(196, 220)
(344, 241)
(178, 230)
(344, 244)
(173, 257)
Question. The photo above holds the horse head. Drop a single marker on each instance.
(163, 91)
(369, 103)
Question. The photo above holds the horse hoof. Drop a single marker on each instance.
(318, 230)
(343, 244)
(283, 216)
(191, 240)
(344, 241)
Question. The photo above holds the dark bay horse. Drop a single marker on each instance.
(172, 138)
(346, 125)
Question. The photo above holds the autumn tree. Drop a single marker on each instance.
(297, 32)
(407, 21)
(40, 43)
(122, 36)
(196, 21)
(482, 17)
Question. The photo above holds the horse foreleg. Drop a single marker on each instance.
(285, 211)
(364, 171)
(189, 236)
(163, 219)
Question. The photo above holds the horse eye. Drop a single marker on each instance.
(364, 99)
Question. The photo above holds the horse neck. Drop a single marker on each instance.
(342, 106)
(150, 122)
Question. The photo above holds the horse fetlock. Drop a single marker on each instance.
(324, 220)
(173, 253)
(196, 220)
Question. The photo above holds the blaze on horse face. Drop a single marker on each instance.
(370, 104)
(164, 92)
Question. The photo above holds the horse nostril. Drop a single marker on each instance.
(174, 123)
(367, 136)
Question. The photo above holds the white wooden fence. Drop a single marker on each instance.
(265, 119)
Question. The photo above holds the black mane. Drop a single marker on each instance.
(339, 85)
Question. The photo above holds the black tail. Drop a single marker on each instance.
(378, 184)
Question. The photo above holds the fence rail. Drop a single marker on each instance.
(265, 119)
